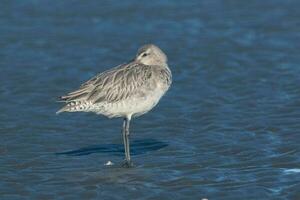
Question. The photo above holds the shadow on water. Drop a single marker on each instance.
(137, 147)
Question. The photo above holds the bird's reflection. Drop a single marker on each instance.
(137, 147)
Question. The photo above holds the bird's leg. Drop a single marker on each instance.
(124, 137)
(127, 139)
(126, 125)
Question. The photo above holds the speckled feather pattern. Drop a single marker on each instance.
(127, 90)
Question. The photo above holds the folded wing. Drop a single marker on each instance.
(111, 86)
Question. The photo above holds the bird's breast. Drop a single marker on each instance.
(135, 105)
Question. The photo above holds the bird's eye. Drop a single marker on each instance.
(144, 54)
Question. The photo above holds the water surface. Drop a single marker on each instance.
(227, 129)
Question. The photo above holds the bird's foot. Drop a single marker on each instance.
(127, 164)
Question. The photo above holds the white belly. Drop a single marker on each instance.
(134, 106)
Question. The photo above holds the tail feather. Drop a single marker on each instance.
(63, 109)
(74, 106)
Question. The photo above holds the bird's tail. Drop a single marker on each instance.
(75, 106)
(63, 109)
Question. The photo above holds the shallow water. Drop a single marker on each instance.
(227, 129)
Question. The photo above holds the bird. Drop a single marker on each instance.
(126, 91)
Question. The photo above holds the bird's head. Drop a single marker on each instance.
(151, 55)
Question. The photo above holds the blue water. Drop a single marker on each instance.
(227, 129)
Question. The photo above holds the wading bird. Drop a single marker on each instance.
(126, 91)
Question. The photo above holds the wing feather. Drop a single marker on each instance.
(114, 85)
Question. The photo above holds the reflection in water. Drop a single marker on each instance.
(137, 147)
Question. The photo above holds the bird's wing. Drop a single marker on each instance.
(85, 89)
(113, 85)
